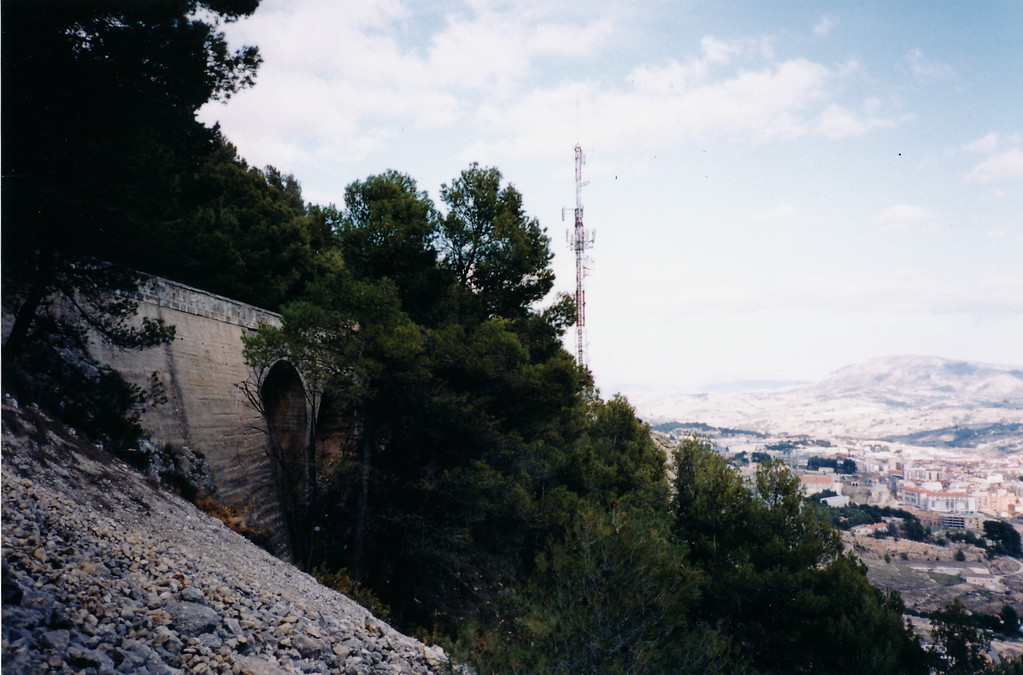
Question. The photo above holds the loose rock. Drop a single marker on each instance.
(90, 547)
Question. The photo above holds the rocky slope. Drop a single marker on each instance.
(890, 398)
(104, 572)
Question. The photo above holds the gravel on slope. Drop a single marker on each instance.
(104, 572)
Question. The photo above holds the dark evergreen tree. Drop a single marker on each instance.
(99, 144)
(1005, 540)
(458, 414)
(1010, 621)
(1010, 666)
(611, 598)
(959, 645)
(499, 256)
(617, 457)
(778, 582)
(246, 234)
(388, 230)
(100, 136)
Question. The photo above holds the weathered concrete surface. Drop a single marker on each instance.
(202, 370)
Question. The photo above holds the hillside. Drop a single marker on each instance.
(929, 400)
(103, 571)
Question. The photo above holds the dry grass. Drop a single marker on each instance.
(232, 517)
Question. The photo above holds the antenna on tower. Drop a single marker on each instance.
(579, 241)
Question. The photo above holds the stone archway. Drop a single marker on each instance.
(286, 411)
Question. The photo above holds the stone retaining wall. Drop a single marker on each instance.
(202, 370)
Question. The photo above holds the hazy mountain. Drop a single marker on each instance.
(921, 379)
(926, 400)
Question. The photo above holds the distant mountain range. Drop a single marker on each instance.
(920, 400)
(920, 379)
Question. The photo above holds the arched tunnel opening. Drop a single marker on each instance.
(285, 410)
(284, 404)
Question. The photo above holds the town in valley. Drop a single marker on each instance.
(916, 502)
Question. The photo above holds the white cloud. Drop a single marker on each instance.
(782, 212)
(680, 102)
(340, 83)
(493, 51)
(926, 70)
(554, 38)
(478, 54)
(824, 27)
(899, 290)
(1005, 165)
(671, 78)
(838, 122)
(902, 217)
(733, 89)
(675, 77)
(985, 145)
(1003, 158)
(337, 79)
(718, 51)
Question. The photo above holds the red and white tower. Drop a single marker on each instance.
(580, 241)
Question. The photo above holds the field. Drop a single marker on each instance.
(928, 576)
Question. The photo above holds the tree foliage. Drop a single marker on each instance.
(1005, 540)
(100, 150)
(846, 466)
(960, 647)
(100, 137)
(456, 415)
(1010, 621)
(611, 597)
(778, 582)
(389, 230)
(461, 469)
(245, 233)
(499, 256)
(100, 146)
(852, 515)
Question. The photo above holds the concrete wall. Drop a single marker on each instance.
(202, 370)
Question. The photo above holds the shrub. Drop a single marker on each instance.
(340, 581)
(234, 519)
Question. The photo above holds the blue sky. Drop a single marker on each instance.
(778, 189)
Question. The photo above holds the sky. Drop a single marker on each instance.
(777, 189)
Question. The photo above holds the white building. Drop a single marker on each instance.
(836, 502)
(868, 530)
(939, 501)
(924, 473)
(814, 483)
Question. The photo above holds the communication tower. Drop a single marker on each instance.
(579, 241)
